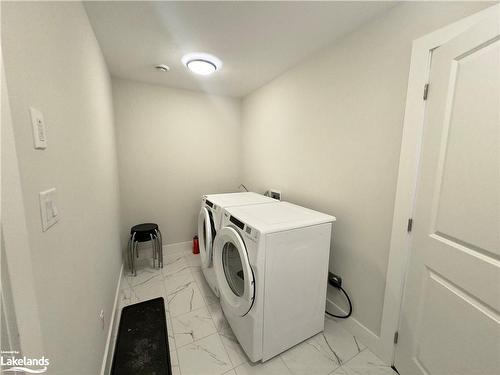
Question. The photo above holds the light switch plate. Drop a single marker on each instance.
(48, 208)
(39, 131)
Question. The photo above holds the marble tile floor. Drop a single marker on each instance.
(201, 340)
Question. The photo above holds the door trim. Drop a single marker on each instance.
(14, 233)
(408, 173)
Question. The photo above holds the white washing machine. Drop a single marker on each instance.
(271, 264)
(209, 221)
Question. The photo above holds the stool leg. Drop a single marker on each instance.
(160, 259)
(131, 253)
(136, 245)
(129, 246)
(160, 245)
(154, 249)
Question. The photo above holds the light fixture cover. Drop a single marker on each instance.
(202, 67)
(201, 63)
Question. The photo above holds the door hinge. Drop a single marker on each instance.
(426, 91)
(410, 225)
(396, 337)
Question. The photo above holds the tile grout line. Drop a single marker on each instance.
(173, 332)
(178, 362)
(223, 346)
(206, 304)
(191, 270)
(355, 355)
(193, 336)
(350, 359)
(175, 347)
(284, 362)
(215, 325)
(227, 352)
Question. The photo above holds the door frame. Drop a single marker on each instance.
(14, 233)
(409, 159)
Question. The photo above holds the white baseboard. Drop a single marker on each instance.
(113, 327)
(364, 334)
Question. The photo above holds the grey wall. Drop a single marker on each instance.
(174, 146)
(328, 134)
(53, 63)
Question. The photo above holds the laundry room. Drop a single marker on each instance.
(250, 187)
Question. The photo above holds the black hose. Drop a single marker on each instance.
(350, 307)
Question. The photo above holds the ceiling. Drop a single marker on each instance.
(256, 41)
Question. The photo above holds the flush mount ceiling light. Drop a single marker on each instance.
(201, 63)
(202, 67)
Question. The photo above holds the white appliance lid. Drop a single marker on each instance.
(268, 218)
(236, 199)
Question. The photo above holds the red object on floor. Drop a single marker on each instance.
(196, 246)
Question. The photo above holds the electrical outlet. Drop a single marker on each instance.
(334, 280)
(275, 194)
(101, 317)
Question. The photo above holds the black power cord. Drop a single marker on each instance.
(336, 282)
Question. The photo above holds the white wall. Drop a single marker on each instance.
(328, 134)
(53, 62)
(174, 146)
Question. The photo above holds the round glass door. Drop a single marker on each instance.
(233, 271)
(205, 237)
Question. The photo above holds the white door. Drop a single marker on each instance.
(450, 322)
(234, 273)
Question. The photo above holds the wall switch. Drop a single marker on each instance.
(48, 208)
(39, 132)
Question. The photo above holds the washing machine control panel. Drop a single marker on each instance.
(251, 233)
(246, 230)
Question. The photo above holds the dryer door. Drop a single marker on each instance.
(234, 274)
(206, 234)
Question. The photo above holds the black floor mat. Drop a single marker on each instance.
(142, 342)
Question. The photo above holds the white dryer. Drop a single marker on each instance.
(209, 220)
(271, 264)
